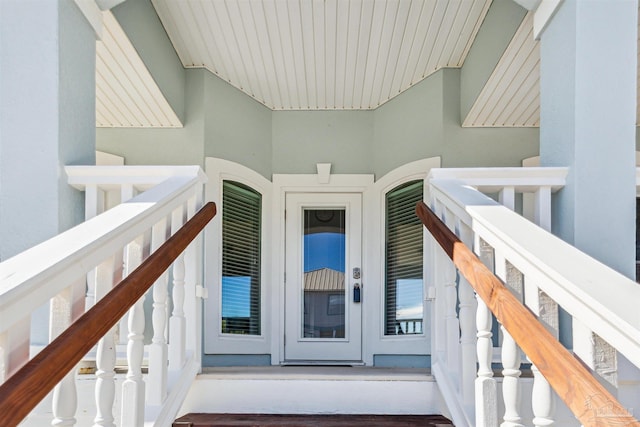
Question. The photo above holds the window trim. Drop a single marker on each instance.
(215, 341)
(377, 343)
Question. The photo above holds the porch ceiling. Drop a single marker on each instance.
(511, 96)
(322, 54)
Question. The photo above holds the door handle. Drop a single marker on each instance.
(356, 293)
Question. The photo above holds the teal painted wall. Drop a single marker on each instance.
(409, 127)
(139, 20)
(179, 146)
(303, 138)
(473, 147)
(221, 121)
(236, 127)
(502, 20)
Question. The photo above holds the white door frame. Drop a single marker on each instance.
(349, 347)
(309, 183)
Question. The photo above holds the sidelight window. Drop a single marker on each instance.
(403, 261)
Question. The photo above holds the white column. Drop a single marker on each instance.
(588, 101)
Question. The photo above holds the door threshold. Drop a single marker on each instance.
(322, 363)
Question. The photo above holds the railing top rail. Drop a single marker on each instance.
(589, 401)
(57, 262)
(31, 383)
(112, 176)
(589, 290)
(491, 180)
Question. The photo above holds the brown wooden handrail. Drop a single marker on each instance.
(33, 381)
(589, 401)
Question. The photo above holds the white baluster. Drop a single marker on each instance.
(542, 209)
(177, 326)
(451, 313)
(507, 197)
(193, 291)
(65, 398)
(107, 273)
(542, 395)
(510, 382)
(485, 386)
(4, 357)
(93, 205)
(158, 357)
(511, 358)
(133, 388)
(439, 326)
(65, 401)
(468, 336)
(14, 347)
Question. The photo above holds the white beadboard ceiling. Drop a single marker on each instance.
(322, 54)
(126, 94)
(511, 96)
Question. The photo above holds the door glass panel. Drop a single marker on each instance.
(324, 267)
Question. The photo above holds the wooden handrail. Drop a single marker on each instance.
(589, 401)
(33, 381)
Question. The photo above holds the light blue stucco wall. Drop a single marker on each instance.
(77, 103)
(47, 118)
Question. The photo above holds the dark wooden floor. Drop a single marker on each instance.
(238, 420)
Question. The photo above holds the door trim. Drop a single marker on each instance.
(349, 347)
(307, 183)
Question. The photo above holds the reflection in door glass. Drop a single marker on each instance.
(324, 261)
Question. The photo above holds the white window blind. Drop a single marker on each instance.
(403, 261)
(241, 214)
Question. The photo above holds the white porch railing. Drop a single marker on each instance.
(545, 274)
(80, 266)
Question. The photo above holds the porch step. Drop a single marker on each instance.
(314, 390)
(255, 420)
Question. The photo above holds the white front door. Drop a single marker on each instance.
(323, 320)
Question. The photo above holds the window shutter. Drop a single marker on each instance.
(241, 259)
(403, 261)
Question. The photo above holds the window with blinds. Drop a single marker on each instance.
(241, 224)
(403, 261)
